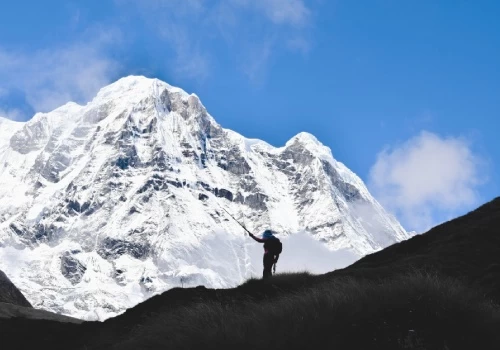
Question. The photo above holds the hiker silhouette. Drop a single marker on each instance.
(272, 251)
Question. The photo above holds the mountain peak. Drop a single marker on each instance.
(137, 91)
(305, 137)
(312, 144)
(138, 85)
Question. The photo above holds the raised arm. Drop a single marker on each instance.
(260, 240)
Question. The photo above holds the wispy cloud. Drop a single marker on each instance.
(54, 76)
(198, 33)
(180, 25)
(290, 12)
(428, 179)
(3, 92)
(299, 44)
(12, 114)
(278, 25)
(255, 64)
(190, 61)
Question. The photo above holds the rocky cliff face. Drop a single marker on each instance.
(104, 205)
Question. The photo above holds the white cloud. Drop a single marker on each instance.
(52, 77)
(427, 179)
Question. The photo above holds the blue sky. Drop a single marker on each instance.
(405, 93)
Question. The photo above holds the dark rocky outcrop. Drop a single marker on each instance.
(158, 183)
(298, 153)
(10, 294)
(35, 234)
(72, 268)
(113, 248)
(223, 193)
(233, 162)
(256, 201)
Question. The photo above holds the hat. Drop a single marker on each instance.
(268, 234)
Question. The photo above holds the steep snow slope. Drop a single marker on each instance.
(104, 205)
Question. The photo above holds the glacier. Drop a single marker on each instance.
(105, 205)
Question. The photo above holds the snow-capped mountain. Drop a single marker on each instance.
(104, 205)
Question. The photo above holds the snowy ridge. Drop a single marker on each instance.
(107, 204)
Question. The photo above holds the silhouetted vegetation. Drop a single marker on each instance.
(466, 248)
(415, 311)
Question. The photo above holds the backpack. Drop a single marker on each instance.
(275, 246)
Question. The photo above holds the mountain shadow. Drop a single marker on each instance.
(438, 290)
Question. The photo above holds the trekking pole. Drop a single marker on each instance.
(232, 217)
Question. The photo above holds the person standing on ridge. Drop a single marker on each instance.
(272, 251)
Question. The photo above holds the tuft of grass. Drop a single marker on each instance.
(283, 280)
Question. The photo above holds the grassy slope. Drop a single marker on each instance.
(467, 248)
(434, 291)
(415, 311)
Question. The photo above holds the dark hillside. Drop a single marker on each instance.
(413, 311)
(439, 290)
(467, 248)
